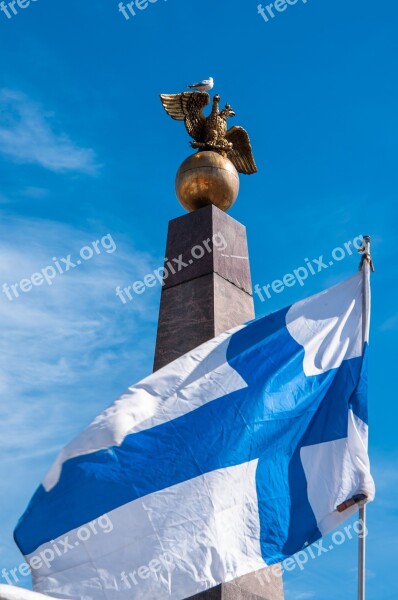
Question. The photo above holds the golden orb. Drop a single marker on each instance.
(207, 178)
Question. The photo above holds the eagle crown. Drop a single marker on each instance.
(227, 112)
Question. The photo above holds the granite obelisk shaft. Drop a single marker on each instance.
(210, 290)
(207, 290)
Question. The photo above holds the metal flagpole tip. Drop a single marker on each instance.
(365, 251)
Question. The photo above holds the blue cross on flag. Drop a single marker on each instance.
(233, 457)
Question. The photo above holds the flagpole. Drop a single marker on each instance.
(362, 553)
(366, 266)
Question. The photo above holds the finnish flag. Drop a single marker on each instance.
(233, 457)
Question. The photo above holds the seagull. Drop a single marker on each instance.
(203, 86)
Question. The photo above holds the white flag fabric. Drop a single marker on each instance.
(12, 592)
(233, 457)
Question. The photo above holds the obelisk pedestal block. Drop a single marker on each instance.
(209, 292)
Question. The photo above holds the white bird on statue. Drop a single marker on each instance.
(203, 86)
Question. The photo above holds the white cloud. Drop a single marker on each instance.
(66, 348)
(66, 351)
(27, 136)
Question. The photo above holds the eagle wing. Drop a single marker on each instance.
(188, 107)
(241, 154)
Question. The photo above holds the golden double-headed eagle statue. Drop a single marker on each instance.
(211, 133)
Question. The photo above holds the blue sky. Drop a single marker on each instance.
(86, 150)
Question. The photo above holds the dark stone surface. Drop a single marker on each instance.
(231, 307)
(208, 296)
(196, 231)
(198, 302)
(232, 263)
(196, 311)
(262, 585)
(186, 319)
(213, 594)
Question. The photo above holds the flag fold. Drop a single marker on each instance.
(233, 457)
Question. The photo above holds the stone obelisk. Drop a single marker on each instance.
(203, 299)
(208, 287)
(210, 290)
